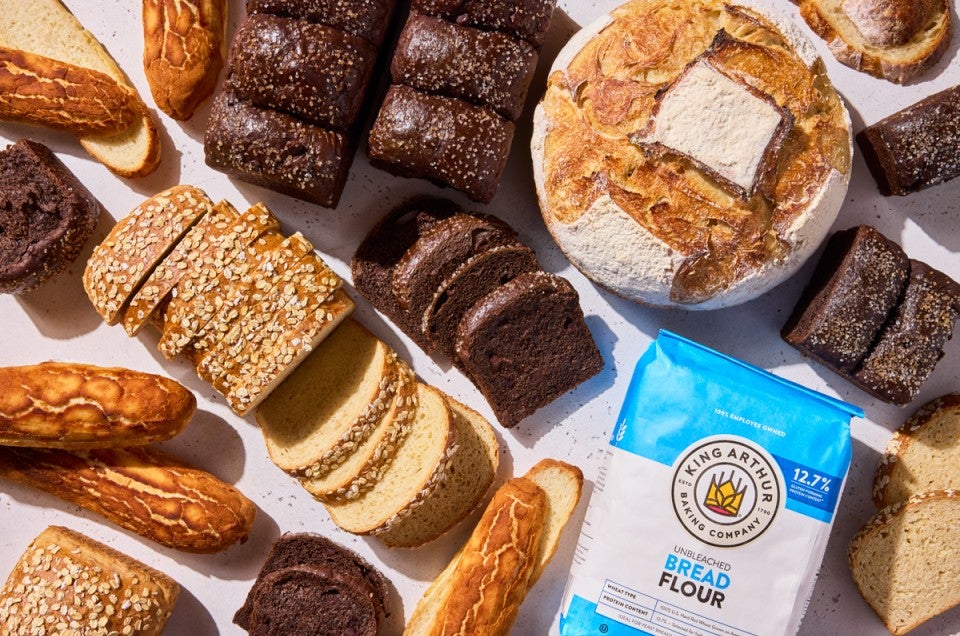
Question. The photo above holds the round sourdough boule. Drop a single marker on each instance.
(658, 227)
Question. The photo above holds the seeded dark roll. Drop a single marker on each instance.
(277, 151)
(442, 139)
(917, 147)
(46, 215)
(484, 68)
(368, 19)
(525, 19)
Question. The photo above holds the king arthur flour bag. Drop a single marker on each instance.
(714, 508)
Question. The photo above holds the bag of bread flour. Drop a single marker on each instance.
(714, 507)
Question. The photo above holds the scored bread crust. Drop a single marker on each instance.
(658, 230)
(892, 482)
(897, 62)
(48, 28)
(883, 525)
(96, 582)
(76, 406)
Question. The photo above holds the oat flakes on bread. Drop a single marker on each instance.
(664, 227)
(80, 406)
(904, 560)
(47, 28)
(106, 591)
(922, 454)
(897, 40)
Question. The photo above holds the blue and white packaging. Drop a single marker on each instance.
(713, 510)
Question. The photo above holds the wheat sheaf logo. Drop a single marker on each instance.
(726, 491)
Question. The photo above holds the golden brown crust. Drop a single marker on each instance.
(141, 489)
(76, 406)
(101, 590)
(40, 90)
(183, 51)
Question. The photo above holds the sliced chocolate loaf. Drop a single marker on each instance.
(854, 289)
(368, 19)
(484, 68)
(525, 19)
(277, 151)
(314, 72)
(917, 147)
(46, 215)
(476, 277)
(443, 139)
(525, 344)
(910, 345)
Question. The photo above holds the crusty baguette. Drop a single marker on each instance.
(184, 46)
(78, 406)
(47, 92)
(141, 489)
(47, 28)
(897, 40)
(80, 586)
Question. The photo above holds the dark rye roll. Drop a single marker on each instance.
(443, 139)
(46, 215)
(277, 151)
(443, 58)
(525, 19)
(368, 19)
(317, 73)
(917, 147)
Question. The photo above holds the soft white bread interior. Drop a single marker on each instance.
(46, 27)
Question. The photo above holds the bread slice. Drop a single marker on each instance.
(93, 581)
(905, 561)
(421, 464)
(367, 462)
(922, 455)
(137, 244)
(897, 40)
(473, 468)
(47, 28)
(330, 403)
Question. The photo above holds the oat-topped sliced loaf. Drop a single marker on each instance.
(420, 465)
(94, 582)
(525, 344)
(362, 465)
(137, 244)
(897, 40)
(472, 471)
(330, 403)
(922, 455)
(904, 560)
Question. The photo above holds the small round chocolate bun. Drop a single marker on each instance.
(46, 215)
(690, 153)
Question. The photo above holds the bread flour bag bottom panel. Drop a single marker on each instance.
(714, 506)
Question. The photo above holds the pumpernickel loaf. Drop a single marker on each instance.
(368, 19)
(525, 19)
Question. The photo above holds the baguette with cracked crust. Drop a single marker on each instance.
(77, 406)
(141, 489)
(184, 46)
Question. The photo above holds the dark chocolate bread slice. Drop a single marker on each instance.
(854, 289)
(525, 19)
(525, 344)
(46, 215)
(368, 19)
(477, 277)
(443, 139)
(917, 147)
(316, 73)
(315, 600)
(377, 256)
(277, 151)
(443, 58)
(440, 252)
(911, 344)
(313, 550)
